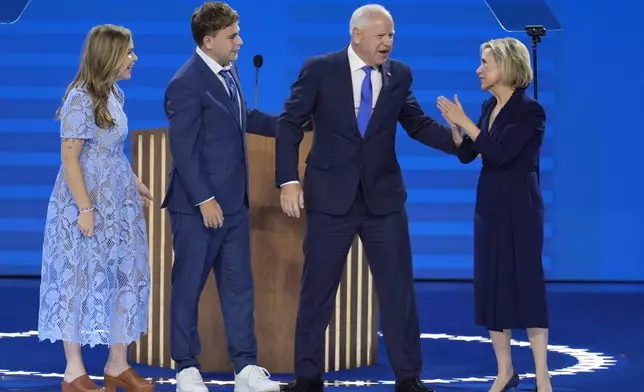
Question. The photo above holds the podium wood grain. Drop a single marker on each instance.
(277, 259)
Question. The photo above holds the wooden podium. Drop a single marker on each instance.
(277, 259)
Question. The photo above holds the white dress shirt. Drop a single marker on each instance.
(357, 76)
(217, 68)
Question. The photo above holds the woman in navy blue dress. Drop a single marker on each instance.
(508, 225)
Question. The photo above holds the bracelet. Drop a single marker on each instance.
(86, 209)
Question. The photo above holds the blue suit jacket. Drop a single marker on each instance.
(340, 157)
(207, 141)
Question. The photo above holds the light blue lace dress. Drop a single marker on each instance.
(95, 290)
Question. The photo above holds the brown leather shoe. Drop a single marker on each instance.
(81, 384)
(129, 380)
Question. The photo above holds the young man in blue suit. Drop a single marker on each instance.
(353, 185)
(207, 198)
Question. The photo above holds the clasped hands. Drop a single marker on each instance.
(452, 112)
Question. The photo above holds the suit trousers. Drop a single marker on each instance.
(388, 250)
(198, 251)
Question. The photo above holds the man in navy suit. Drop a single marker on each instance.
(353, 185)
(207, 198)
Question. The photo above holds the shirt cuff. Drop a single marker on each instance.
(205, 201)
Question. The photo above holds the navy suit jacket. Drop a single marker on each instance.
(340, 158)
(207, 141)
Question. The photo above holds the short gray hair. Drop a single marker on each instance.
(513, 58)
(361, 16)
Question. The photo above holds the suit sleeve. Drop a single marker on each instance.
(423, 128)
(298, 109)
(514, 137)
(183, 110)
(260, 123)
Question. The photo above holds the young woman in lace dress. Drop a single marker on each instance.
(95, 271)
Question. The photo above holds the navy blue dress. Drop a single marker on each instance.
(509, 284)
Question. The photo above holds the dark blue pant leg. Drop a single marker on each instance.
(326, 244)
(195, 249)
(234, 277)
(387, 247)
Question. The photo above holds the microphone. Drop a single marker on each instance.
(258, 61)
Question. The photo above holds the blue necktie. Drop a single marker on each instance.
(366, 101)
(232, 88)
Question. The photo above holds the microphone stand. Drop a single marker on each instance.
(258, 61)
(535, 32)
(256, 86)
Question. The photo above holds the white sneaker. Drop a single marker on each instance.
(189, 380)
(255, 379)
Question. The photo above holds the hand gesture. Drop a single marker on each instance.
(86, 222)
(452, 111)
(144, 192)
(292, 199)
(212, 215)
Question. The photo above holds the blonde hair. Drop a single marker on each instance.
(105, 49)
(513, 59)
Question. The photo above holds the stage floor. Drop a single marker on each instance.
(597, 344)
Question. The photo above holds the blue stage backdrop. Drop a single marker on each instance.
(590, 84)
